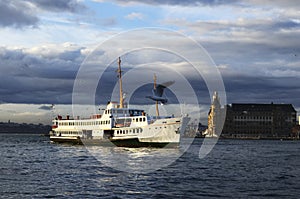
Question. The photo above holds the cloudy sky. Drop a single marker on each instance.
(254, 44)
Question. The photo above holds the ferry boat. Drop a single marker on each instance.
(120, 126)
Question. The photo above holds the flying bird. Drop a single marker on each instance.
(158, 91)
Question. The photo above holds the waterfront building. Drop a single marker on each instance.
(259, 121)
(250, 120)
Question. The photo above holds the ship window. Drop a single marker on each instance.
(140, 119)
(144, 119)
(119, 111)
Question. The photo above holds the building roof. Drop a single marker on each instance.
(263, 107)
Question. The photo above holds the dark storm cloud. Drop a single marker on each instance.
(288, 24)
(30, 77)
(258, 73)
(46, 75)
(46, 108)
(59, 6)
(259, 62)
(256, 89)
(252, 43)
(16, 13)
(280, 3)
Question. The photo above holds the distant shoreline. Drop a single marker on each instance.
(25, 133)
(23, 128)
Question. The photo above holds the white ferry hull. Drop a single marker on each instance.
(131, 142)
(162, 133)
(65, 139)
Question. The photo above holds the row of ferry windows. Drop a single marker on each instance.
(84, 123)
(253, 117)
(69, 132)
(129, 131)
(131, 112)
(141, 119)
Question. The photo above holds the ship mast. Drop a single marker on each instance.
(156, 103)
(120, 84)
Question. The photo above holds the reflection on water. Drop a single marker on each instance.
(135, 160)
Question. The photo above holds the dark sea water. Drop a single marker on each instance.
(32, 167)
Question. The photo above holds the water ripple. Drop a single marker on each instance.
(32, 167)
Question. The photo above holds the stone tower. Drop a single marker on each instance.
(215, 123)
